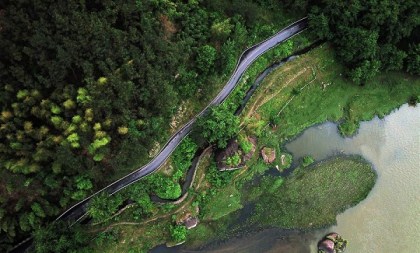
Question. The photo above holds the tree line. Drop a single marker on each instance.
(367, 36)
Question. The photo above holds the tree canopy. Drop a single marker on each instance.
(369, 36)
(219, 125)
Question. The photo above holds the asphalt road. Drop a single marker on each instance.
(77, 211)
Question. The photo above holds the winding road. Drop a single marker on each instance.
(77, 211)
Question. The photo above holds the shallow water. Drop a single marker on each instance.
(388, 219)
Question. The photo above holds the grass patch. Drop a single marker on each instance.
(210, 231)
(313, 196)
(136, 239)
(222, 203)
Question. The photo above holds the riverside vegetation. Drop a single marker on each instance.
(307, 91)
(60, 135)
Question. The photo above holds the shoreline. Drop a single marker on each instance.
(208, 233)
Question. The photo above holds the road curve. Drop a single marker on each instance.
(77, 211)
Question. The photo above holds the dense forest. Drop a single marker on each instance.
(88, 87)
(368, 36)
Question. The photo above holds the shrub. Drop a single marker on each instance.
(245, 145)
(178, 233)
(307, 160)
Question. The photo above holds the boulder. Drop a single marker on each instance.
(268, 154)
(191, 222)
(332, 243)
(327, 246)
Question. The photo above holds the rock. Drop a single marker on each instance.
(233, 150)
(332, 243)
(327, 246)
(191, 222)
(332, 236)
(268, 154)
(283, 161)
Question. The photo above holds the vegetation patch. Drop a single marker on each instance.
(307, 160)
(313, 196)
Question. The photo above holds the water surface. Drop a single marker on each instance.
(388, 220)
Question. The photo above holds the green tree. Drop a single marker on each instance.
(219, 125)
(413, 60)
(221, 30)
(206, 56)
(102, 206)
(178, 233)
(58, 237)
(366, 36)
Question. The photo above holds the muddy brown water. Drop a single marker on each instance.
(386, 221)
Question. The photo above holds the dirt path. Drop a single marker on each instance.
(261, 94)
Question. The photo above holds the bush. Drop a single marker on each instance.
(234, 160)
(218, 178)
(307, 160)
(245, 145)
(178, 233)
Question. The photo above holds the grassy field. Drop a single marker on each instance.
(313, 196)
(312, 90)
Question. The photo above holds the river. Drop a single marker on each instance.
(387, 220)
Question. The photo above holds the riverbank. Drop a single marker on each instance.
(302, 93)
(310, 90)
(391, 145)
(306, 92)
